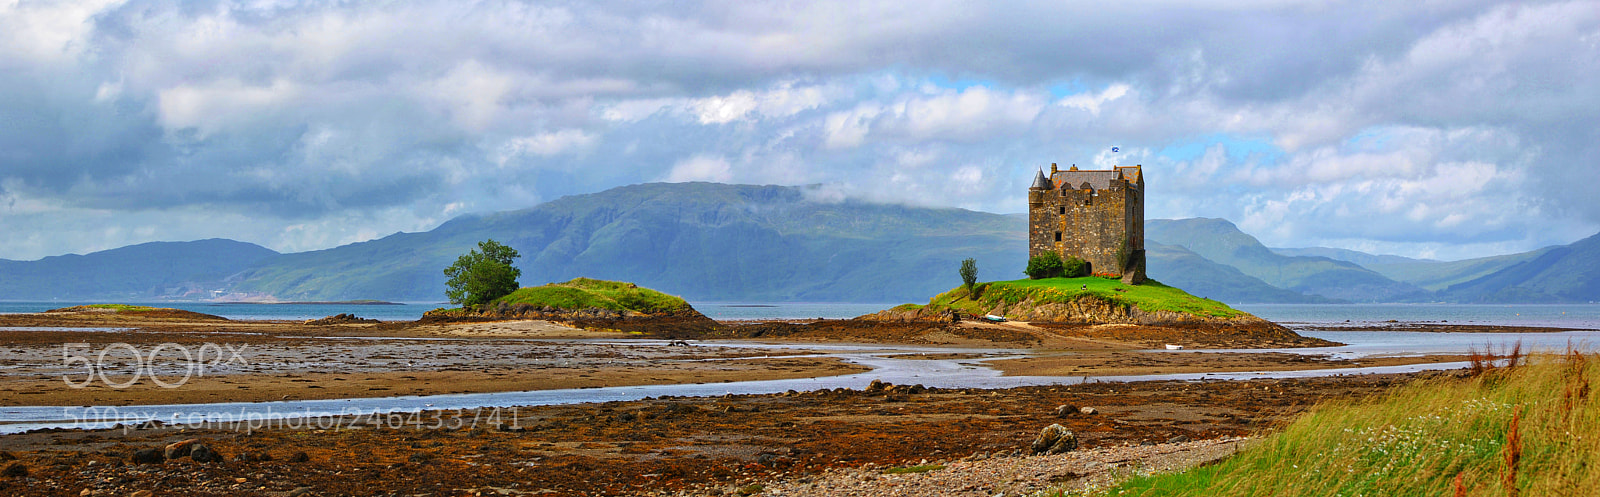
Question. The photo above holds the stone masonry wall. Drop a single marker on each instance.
(1091, 226)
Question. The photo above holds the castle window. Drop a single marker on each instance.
(1058, 236)
(1063, 210)
(1088, 200)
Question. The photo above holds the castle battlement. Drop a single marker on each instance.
(1093, 214)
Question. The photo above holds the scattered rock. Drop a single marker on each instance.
(420, 457)
(180, 449)
(1088, 411)
(1054, 439)
(1066, 410)
(876, 386)
(14, 470)
(7, 456)
(148, 456)
(203, 453)
(299, 457)
(142, 493)
(1178, 439)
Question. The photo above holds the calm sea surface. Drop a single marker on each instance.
(1577, 316)
(385, 312)
(1580, 316)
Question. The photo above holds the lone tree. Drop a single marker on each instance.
(969, 273)
(482, 275)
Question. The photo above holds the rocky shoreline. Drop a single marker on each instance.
(825, 442)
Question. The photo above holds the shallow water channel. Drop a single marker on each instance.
(943, 373)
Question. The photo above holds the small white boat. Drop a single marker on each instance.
(997, 319)
(1174, 347)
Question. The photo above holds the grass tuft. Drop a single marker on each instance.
(920, 468)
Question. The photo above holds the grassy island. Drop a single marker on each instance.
(1150, 296)
(586, 293)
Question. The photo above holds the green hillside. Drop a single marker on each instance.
(1220, 241)
(1426, 273)
(1201, 276)
(1568, 273)
(1150, 296)
(585, 293)
(1436, 276)
(704, 241)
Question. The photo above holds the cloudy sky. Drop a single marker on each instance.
(1441, 129)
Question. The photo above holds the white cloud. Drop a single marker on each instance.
(1091, 102)
(548, 144)
(223, 104)
(700, 168)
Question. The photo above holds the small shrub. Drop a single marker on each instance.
(1073, 267)
(1046, 265)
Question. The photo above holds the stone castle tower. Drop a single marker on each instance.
(1094, 215)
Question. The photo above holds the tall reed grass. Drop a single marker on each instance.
(1514, 425)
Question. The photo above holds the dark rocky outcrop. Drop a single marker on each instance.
(687, 323)
(340, 319)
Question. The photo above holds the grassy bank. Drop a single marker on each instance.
(1150, 296)
(585, 293)
(1527, 430)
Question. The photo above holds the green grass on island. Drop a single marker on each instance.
(1149, 296)
(1527, 430)
(586, 293)
(122, 307)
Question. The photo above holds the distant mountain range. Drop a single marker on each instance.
(157, 270)
(716, 242)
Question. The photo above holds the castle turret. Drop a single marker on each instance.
(1039, 182)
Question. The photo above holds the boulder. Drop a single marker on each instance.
(1088, 411)
(1066, 410)
(180, 449)
(299, 457)
(148, 456)
(1054, 439)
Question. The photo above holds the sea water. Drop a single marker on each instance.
(1571, 316)
(252, 311)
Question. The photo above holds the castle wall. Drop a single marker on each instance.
(1091, 225)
